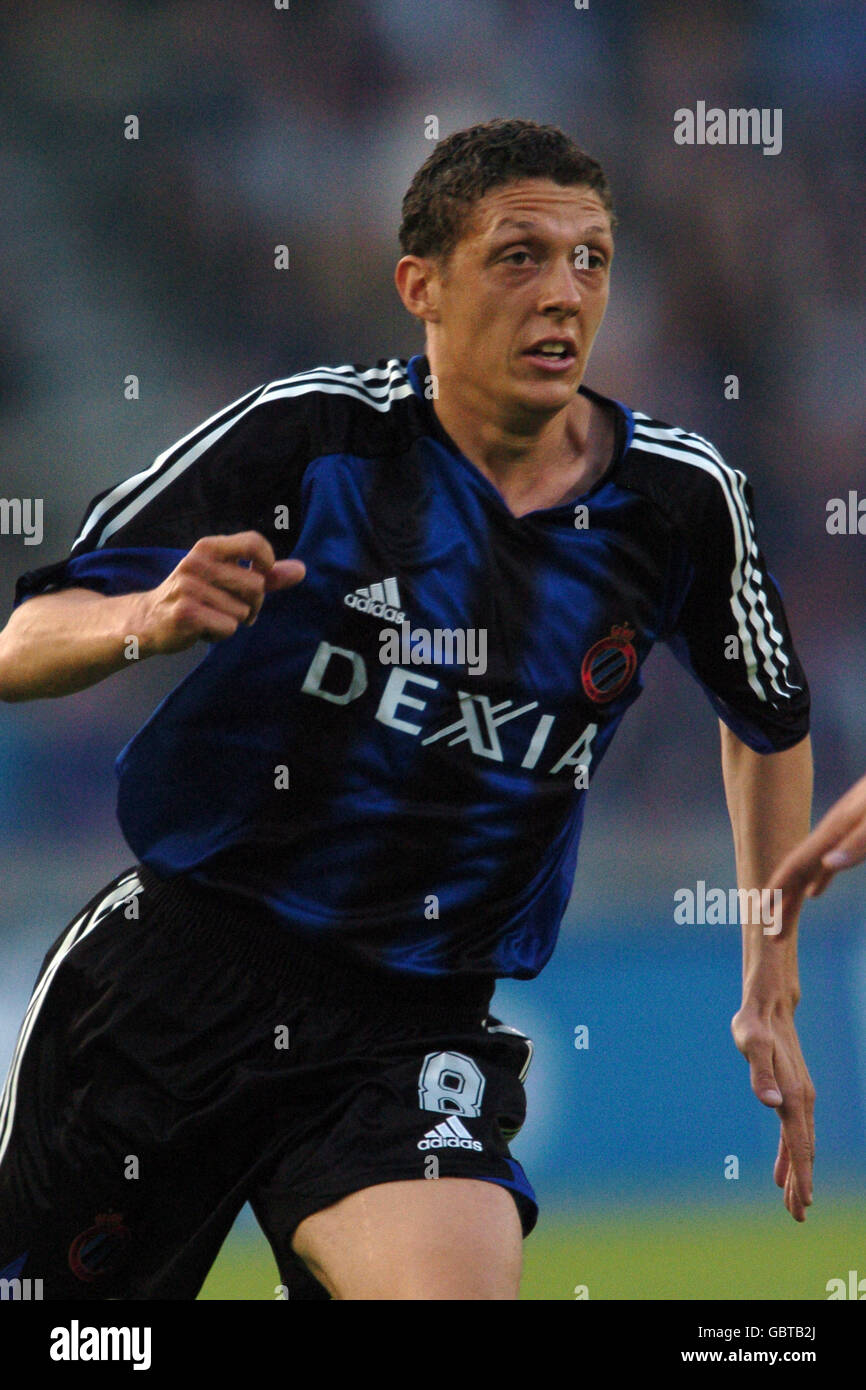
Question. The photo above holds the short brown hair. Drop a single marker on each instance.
(466, 165)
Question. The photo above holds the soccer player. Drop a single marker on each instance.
(428, 590)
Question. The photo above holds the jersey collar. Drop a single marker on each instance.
(418, 371)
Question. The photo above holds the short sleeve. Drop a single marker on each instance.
(227, 475)
(732, 631)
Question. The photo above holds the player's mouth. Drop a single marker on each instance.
(553, 354)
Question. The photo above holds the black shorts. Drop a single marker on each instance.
(182, 1054)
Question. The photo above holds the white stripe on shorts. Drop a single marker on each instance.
(77, 932)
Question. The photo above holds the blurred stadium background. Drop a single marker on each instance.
(303, 126)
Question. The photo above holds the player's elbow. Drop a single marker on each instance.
(13, 688)
(10, 692)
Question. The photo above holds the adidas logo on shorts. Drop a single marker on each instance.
(380, 601)
(451, 1134)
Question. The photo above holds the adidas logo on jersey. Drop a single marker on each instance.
(451, 1134)
(380, 601)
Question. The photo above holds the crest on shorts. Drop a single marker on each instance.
(94, 1252)
(608, 667)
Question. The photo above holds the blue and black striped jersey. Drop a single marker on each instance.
(396, 754)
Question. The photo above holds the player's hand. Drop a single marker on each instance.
(781, 1081)
(219, 585)
(837, 842)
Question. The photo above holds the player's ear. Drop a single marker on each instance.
(417, 280)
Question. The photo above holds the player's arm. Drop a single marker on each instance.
(731, 633)
(57, 643)
(769, 799)
(837, 842)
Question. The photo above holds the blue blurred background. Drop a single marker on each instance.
(304, 126)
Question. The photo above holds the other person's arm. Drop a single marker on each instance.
(837, 842)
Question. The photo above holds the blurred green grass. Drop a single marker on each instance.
(683, 1251)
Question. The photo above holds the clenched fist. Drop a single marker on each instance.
(220, 584)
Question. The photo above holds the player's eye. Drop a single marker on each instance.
(517, 257)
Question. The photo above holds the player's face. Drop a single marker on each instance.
(532, 268)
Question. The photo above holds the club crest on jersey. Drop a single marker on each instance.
(94, 1251)
(608, 667)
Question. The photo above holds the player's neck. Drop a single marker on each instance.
(534, 464)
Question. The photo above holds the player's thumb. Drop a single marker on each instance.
(764, 1083)
(285, 574)
(755, 1040)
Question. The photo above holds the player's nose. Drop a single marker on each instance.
(560, 292)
